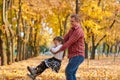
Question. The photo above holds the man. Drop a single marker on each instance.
(74, 41)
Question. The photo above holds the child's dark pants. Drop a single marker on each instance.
(41, 67)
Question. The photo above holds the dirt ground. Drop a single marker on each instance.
(103, 69)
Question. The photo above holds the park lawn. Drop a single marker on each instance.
(103, 69)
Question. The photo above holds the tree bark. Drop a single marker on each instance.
(115, 52)
(12, 36)
(65, 23)
(108, 50)
(115, 49)
(118, 50)
(111, 49)
(3, 55)
(1, 50)
(77, 6)
(8, 7)
(9, 60)
(7, 30)
(61, 31)
(35, 46)
(93, 48)
(93, 53)
(103, 51)
(86, 50)
(24, 37)
(30, 47)
(18, 57)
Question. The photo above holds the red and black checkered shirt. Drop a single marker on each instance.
(74, 41)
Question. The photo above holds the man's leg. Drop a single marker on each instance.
(72, 67)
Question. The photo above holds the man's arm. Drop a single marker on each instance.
(54, 50)
(73, 38)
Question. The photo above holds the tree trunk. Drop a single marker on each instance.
(12, 47)
(3, 55)
(18, 57)
(111, 49)
(24, 42)
(18, 47)
(65, 23)
(103, 51)
(23, 50)
(7, 35)
(12, 36)
(108, 50)
(27, 44)
(115, 49)
(118, 50)
(1, 50)
(77, 7)
(35, 46)
(20, 50)
(30, 48)
(9, 60)
(61, 31)
(93, 52)
(86, 50)
(93, 48)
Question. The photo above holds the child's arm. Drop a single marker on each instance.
(54, 50)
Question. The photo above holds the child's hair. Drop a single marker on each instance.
(58, 38)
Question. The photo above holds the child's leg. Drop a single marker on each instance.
(38, 70)
(41, 67)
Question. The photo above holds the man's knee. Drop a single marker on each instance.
(68, 71)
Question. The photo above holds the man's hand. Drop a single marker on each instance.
(52, 51)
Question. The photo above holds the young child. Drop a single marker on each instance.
(54, 63)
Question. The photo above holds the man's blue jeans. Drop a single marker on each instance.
(72, 67)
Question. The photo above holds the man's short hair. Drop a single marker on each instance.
(76, 16)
